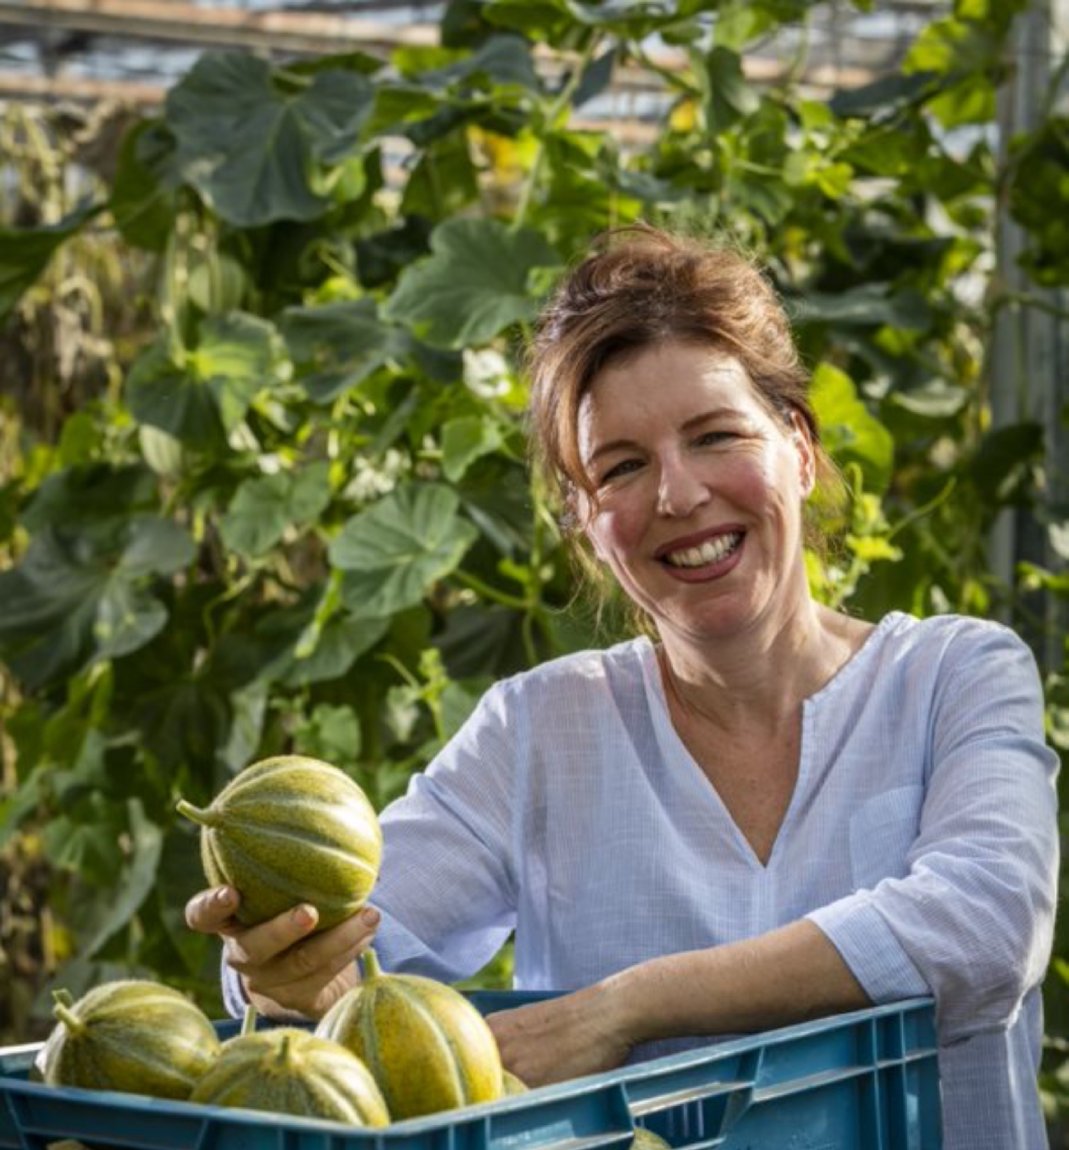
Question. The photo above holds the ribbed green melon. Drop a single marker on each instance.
(427, 1046)
(291, 830)
(646, 1140)
(129, 1035)
(288, 1070)
(512, 1083)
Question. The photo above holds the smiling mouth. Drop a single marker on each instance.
(712, 551)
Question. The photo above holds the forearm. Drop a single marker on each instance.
(785, 976)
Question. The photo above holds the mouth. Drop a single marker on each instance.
(705, 554)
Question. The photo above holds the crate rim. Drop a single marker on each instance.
(601, 1081)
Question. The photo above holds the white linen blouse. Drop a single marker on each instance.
(921, 837)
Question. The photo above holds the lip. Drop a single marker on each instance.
(696, 539)
(710, 571)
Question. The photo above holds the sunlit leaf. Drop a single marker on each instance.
(850, 433)
(393, 552)
(474, 284)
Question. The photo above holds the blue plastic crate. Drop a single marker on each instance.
(862, 1081)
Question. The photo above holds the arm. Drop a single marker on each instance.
(973, 917)
(970, 921)
(446, 888)
(785, 976)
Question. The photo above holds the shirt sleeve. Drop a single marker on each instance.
(446, 887)
(971, 922)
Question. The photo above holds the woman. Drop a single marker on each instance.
(768, 811)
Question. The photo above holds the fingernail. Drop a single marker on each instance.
(224, 897)
(304, 916)
(370, 916)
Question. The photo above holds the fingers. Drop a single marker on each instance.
(212, 911)
(267, 940)
(284, 961)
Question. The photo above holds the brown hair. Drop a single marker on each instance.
(641, 286)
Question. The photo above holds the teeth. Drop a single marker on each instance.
(710, 552)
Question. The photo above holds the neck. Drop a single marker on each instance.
(758, 677)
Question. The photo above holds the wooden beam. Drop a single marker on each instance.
(304, 33)
(79, 90)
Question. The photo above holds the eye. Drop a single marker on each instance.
(619, 470)
(711, 438)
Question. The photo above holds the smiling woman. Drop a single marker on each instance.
(761, 810)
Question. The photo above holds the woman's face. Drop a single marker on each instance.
(699, 491)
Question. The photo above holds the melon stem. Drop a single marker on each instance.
(69, 1019)
(248, 1022)
(206, 817)
(370, 963)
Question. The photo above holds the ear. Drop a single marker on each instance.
(807, 456)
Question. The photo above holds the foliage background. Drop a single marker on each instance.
(262, 481)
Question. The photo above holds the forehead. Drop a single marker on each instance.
(671, 381)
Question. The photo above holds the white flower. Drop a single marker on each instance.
(486, 373)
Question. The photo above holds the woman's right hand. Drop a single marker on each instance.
(286, 970)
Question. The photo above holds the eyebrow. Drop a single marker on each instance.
(631, 444)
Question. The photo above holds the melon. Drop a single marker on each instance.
(288, 1070)
(290, 830)
(130, 1035)
(427, 1046)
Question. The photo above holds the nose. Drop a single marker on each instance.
(680, 490)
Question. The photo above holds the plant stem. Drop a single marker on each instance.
(561, 101)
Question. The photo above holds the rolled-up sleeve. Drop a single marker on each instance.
(972, 920)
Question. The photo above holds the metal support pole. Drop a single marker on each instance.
(1030, 353)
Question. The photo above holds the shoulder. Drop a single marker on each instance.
(580, 676)
(952, 659)
(946, 636)
(565, 702)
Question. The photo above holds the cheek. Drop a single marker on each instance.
(613, 531)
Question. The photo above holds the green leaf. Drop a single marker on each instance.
(254, 150)
(161, 394)
(138, 877)
(143, 201)
(869, 305)
(555, 20)
(394, 551)
(341, 642)
(1002, 465)
(90, 492)
(937, 400)
(26, 252)
(336, 346)
(729, 96)
(201, 399)
(444, 181)
(466, 439)
(849, 432)
(596, 77)
(880, 98)
(502, 60)
(331, 733)
(473, 285)
(82, 595)
(264, 507)
(236, 357)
